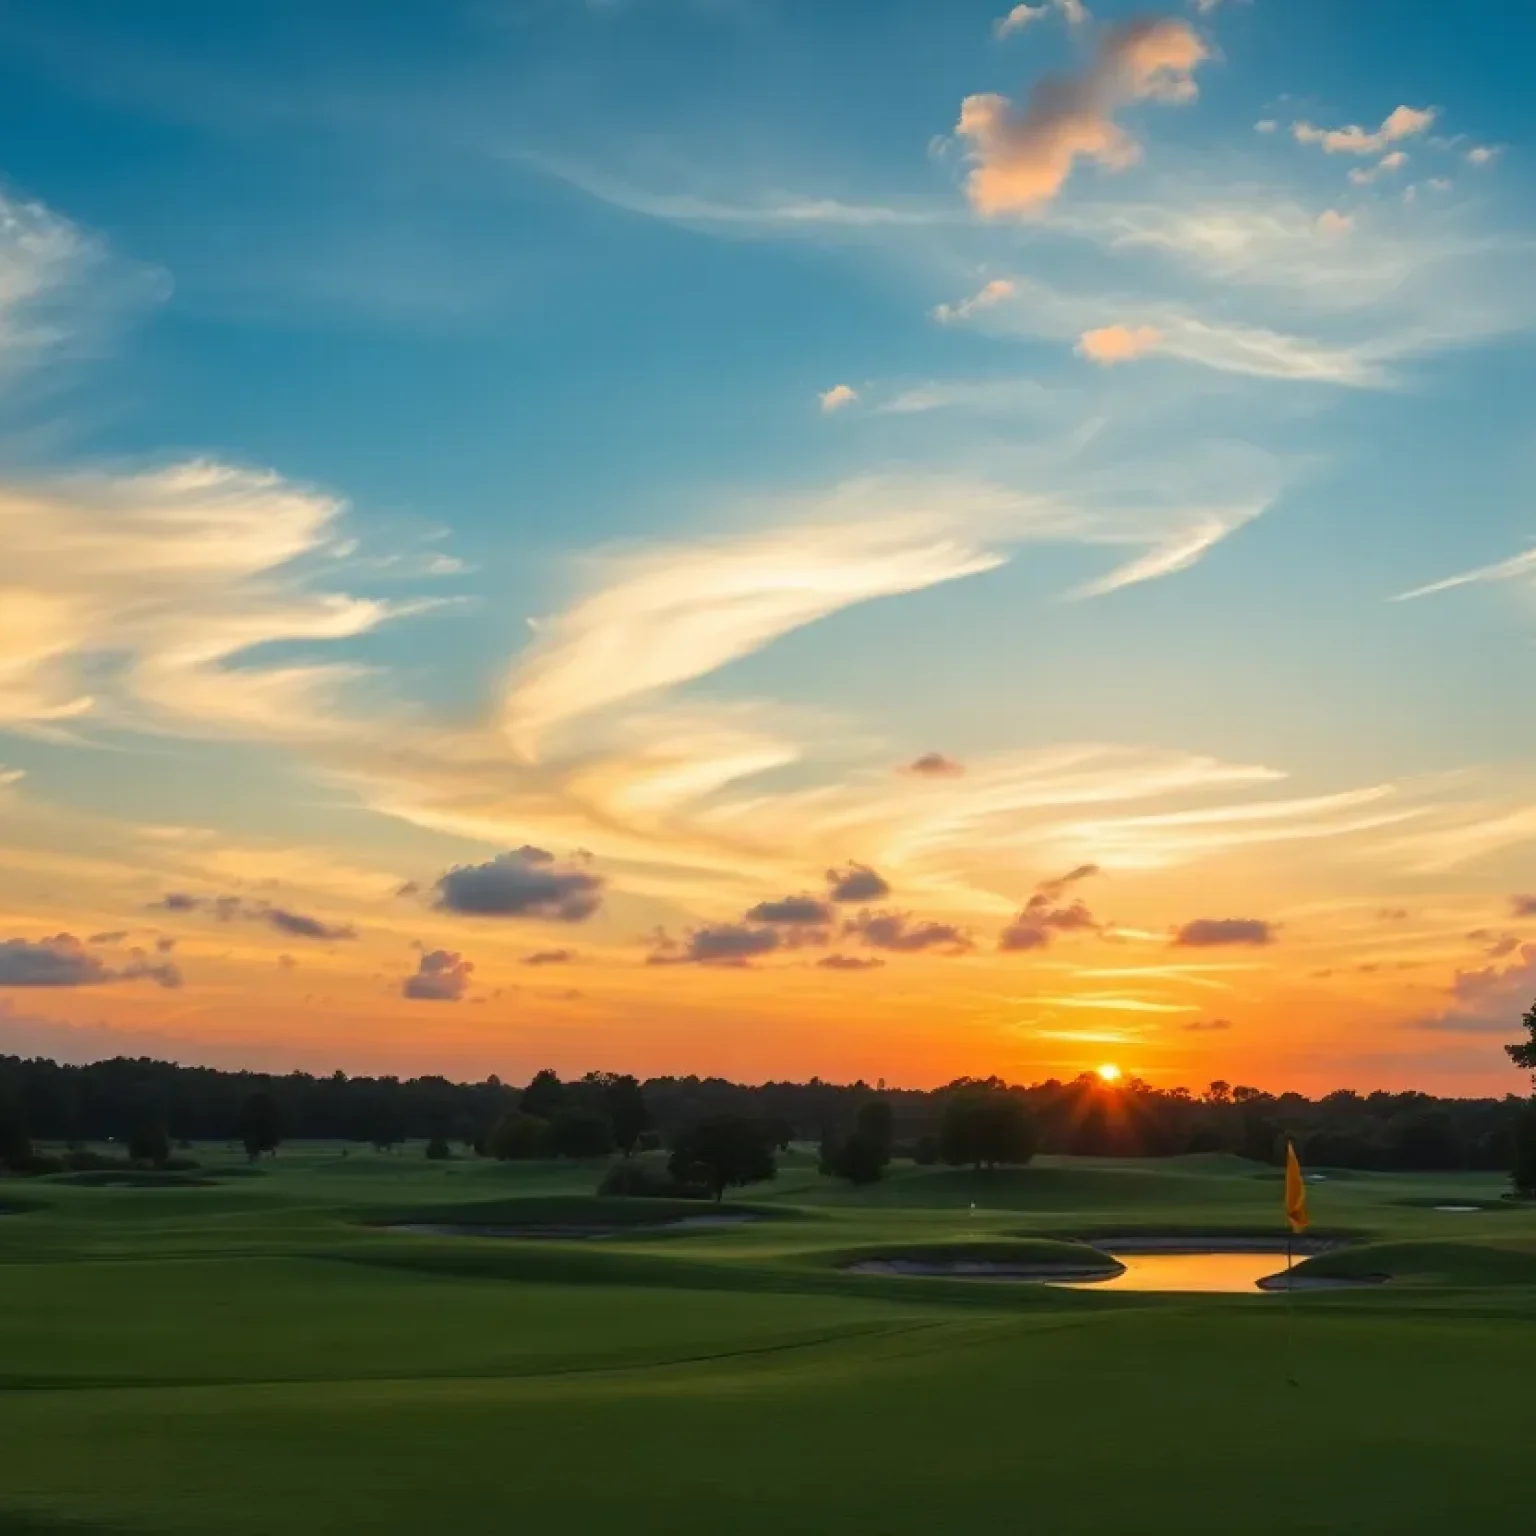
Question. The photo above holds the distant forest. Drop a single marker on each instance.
(152, 1104)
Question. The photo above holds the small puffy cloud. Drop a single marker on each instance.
(1523, 906)
(549, 957)
(1111, 344)
(1020, 159)
(442, 976)
(1488, 1001)
(1394, 914)
(1331, 222)
(1482, 154)
(724, 944)
(1399, 123)
(1017, 19)
(934, 765)
(177, 901)
(850, 963)
(1208, 932)
(837, 397)
(527, 882)
(905, 934)
(1364, 175)
(987, 297)
(1265, 125)
(1203, 1025)
(856, 883)
(795, 911)
(115, 937)
(63, 961)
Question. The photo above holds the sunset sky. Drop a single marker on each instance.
(770, 538)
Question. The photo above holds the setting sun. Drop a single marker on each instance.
(1108, 1073)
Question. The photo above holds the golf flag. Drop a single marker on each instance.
(1295, 1192)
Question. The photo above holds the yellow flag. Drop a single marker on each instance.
(1295, 1192)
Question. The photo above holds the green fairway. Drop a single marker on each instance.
(261, 1354)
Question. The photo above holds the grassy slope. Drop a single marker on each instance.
(255, 1358)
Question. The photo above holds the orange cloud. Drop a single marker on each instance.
(1022, 160)
(1111, 344)
(1331, 222)
(837, 397)
(1399, 123)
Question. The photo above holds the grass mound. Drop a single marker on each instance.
(575, 1213)
(1040, 1187)
(1427, 1263)
(129, 1178)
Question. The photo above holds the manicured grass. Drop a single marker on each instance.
(258, 1357)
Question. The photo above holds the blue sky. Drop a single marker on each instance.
(637, 429)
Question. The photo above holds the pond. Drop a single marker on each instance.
(1228, 1271)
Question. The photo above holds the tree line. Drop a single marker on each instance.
(148, 1106)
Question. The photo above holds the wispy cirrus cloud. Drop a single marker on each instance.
(1512, 569)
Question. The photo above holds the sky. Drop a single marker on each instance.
(766, 538)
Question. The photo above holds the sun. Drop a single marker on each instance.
(1108, 1073)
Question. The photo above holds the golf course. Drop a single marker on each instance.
(380, 1343)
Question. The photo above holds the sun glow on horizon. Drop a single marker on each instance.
(1108, 1073)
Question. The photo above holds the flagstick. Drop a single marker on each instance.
(1290, 1315)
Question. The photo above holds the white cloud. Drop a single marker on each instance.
(1363, 176)
(1504, 570)
(1482, 154)
(1266, 125)
(988, 296)
(1331, 222)
(1017, 19)
(1181, 549)
(678, 613)
(837, 397)
(124, 599)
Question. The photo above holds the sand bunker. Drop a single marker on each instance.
(1458, 1209)
(567, 1231)
(984, 1269)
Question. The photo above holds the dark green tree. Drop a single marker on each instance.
(1524, 1172)
(876, 1123)
(859, 1158)
(544, 1095)
(15, 1143)
(517, 1137)
(722, 1151)
(985, 1124)
(259, 1124)
(580, 1131)
(625, 1106)
(438, 1149)
(1523, 1054)
(148, 1142)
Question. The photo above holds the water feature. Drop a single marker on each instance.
(1193, 1272)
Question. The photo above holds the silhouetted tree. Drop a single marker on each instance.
(148, 1142)
(259, 1125)
(721, 1152)
(544, 1095)
(985, 1124)
(579, 1131)
(624, 1104)
(876, 1123)
(859, 1158)
(517, 1137)
(438, 1149)
(1523, 1054)
(1524, 1171)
